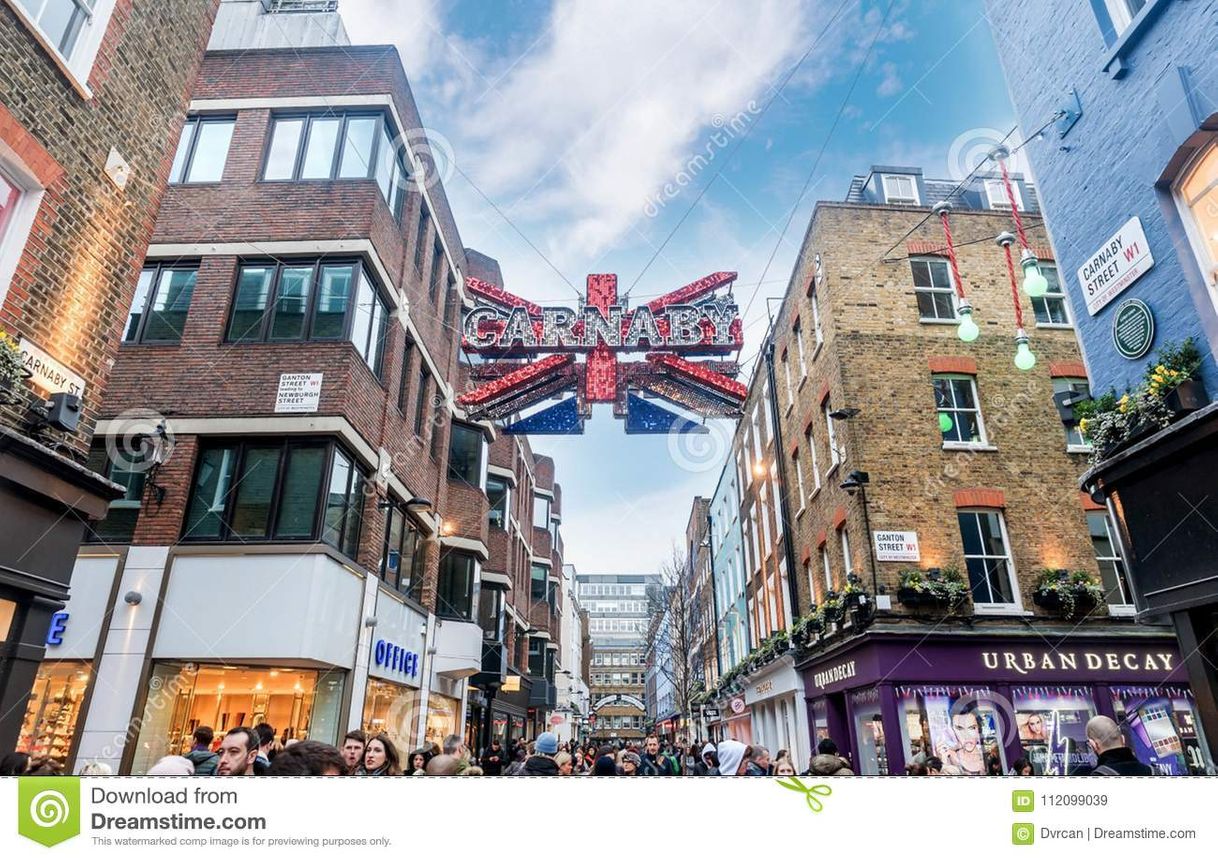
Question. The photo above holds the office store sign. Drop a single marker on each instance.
(396, 659)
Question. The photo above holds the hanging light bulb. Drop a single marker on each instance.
(967, 331)
(1034, 283)
(1024, 358)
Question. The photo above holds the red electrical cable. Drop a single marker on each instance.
(1006, 246)
(1006, 183)
(951, 255)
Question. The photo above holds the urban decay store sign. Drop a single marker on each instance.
(1119, 262)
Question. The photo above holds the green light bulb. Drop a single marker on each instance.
(1024, 359)
(968, 331)
(1034, 283)
(946, 423)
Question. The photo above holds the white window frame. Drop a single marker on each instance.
(799, 482)
(797, 336)
(996, 194)
(984, 441)
(1059, 294)
(77, 64)
(826, 566)
(1207, 260)
(1069, 383)
(843, 536)
(814, 300)
(898, 199)
(836, 455)
(1126, 608)
(1120, 14)
(16, 232)
(1017, 605)
(951, 290)
(786, 370)
(810, 443)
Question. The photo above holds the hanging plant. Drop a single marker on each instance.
(12, 370)
(1172, 377)
(1069, 593)
(932, 588)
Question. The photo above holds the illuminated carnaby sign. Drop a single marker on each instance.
(530, 355)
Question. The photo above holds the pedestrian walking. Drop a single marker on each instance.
(443, 765)
(492, 758)
(758, 761)
(708, 763)
(353, 749)
(14, 764)
(266, 741)
(1112, 756)
(238, 750)
(516, 768)
(309, 758)
(172, 765)
(827, 761)
(631, 764)
(1023, 767)
(200, 755)
(566, 764)
(454, 745)
(380, 758)
(604, 766)
(652, 762)
(417, 764)
(542, 762)
(731, 758)
(784, 767)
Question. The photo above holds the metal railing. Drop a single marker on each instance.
(300, 5)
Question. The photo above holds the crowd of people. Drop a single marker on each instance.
(244, 751)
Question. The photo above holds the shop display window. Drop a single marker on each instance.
(442, 715)
(1163, 729)
(869, 731)
(962, 726)
(297, 703)
(820, 721)
(393, 710)
(53, 709)
(1052, 723)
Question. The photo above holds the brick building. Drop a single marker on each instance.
(304, 537)
(91, 97)
(958, 464)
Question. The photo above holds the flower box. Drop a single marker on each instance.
(1187, 397)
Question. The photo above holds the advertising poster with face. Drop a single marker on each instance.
(956, 738)
(1052, 723)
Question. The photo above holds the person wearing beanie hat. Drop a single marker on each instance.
(630, 764)
(731, 758)
(542, 762)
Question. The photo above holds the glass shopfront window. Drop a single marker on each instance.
(1163, 729)
(959, 725)
(53, 708)
(296, 703)
(442, 715)
(517, 728)
(820, 721)
(869, 730)
(394, 710)
(1052, 724)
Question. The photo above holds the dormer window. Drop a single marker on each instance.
(996, 195)
(901, 190)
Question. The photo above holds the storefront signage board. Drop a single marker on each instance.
(396, 658)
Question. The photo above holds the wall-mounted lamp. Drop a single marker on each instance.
(845, 413)
(133, 598)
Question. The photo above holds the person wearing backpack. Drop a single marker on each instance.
(1112, 756)
(200, 754)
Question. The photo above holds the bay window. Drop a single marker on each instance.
(338, 146)
(991, 573)
(276, 490)
(310, 300)
(465, 454)
(497, 493)
(541, 512)
(403, 559)
(538, 578)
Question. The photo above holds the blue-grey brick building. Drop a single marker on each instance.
(1129, 90)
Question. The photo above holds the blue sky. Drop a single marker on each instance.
(572, 116)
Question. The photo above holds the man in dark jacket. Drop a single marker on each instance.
(200, 754)
(707, 764)
(827, 761)
(542, 763)
(651, 762)
(492, 758)
(758, 761)
(1113, 757)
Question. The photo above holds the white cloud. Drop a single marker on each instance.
(891, 83)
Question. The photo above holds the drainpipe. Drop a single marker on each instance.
(780, 463)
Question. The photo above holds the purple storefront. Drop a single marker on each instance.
(891, 698)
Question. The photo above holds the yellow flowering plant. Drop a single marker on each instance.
(11, 368)
(1174, 364)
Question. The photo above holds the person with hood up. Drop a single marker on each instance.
(542, 762)
(827, 761)
(707, 764)
(731, 758)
